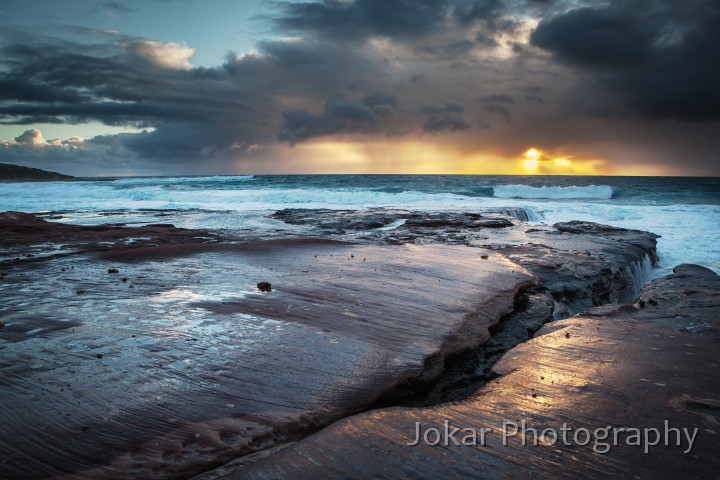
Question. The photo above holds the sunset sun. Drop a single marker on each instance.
(531, 161)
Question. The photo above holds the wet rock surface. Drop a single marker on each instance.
(467, 220)
(635, 237)
(616, 367)
(195, 367)
(406, 313)
(581, 264)
(342, 221)
(687, 299)
(25, 237)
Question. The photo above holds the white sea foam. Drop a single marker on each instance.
(600, 192)
(688, 235)
(98, 196)
(169, 180)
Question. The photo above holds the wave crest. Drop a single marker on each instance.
(132, 181)
(599, 192)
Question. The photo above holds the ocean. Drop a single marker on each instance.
(684, 211)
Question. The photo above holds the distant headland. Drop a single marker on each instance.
(17, 173)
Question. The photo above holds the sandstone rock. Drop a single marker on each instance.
(608, 369)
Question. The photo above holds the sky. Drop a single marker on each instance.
(169, 87)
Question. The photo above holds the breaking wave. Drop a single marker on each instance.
(133, 181)
(598, 192)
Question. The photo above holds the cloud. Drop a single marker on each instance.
(480, 10)
(657, 58)
(444, 118)
(491, 19)
(380, 100)
(444, 123)
(449, 108)
(340, 115)
(113, 9)
(498, 104)
(590, 77)
(343, 20)
(33, 138)
(25, 90)
(291, 90)
(166, 55)
(459, 47)
(72, 153)
(497, 98)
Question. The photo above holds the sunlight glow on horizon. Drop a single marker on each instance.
(537, 162)
(423, 156)
(531, 162)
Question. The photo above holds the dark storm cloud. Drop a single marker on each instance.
(498, 104)
(250, 99)
(448, 108)
(378, 99)
(489, 17)
(497, 98)
(20, 89)
(485, 40)
(459, 48)
(598, 37)
(500, 110)
(362, 18)
(193, 111)
(485, 20)
(339, 116)
(378, 67)
(533, 94)
(295, 54)
(534, 99)
(133, 82)
(453, 49)
(448, 117)
(658, 57)
(481, 10)
(437, 123)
